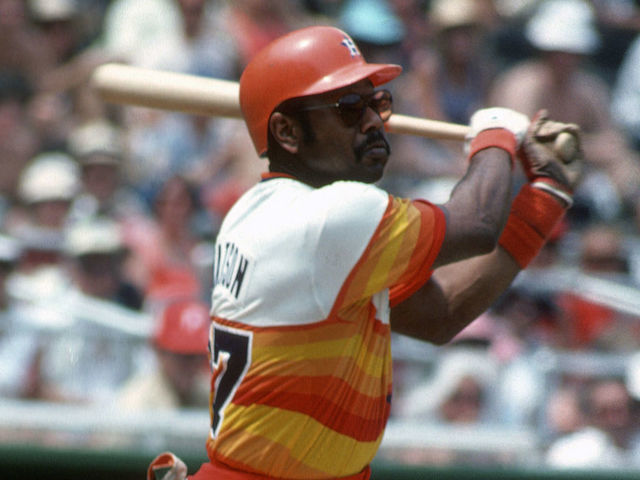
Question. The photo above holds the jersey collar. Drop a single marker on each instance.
(271, 175)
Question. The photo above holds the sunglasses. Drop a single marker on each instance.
(352, 106)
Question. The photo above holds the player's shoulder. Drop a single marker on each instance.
(346, 206)
(350, 195)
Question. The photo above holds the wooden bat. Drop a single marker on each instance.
(129, 85)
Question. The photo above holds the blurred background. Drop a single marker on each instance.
(108, 216)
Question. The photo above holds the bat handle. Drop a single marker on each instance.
(426, 128)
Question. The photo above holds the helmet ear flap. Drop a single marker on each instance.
(305, 62)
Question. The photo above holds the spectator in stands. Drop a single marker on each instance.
(46, 189)
(96, 254)
(417, 30)
(603, 254)
(133, 28)
(522, 324)
(562, 413)
(51, 109)
(97, 346)
(557, 78)
(603, 251)
(254, 23)
(375, 27)
(625, 103)
(19, 336)
(21, 43)
(164, 247)
(618, 23)
(18, 142)
(189, 51)
(99, 148)
(607, 438)
(56, 19)
(456, 393)
(163, 144)
(181, 376)
(457, 82)
(448, 79)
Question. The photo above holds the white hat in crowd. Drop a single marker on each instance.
(454, 13)
(49, 176)
(427, 396)
(564, 26)
(95, 236)
(96, 142)
(53, 10)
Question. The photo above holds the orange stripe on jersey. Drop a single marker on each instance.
(362, 418)
(322, 342)
(400, 252)
(365, 383)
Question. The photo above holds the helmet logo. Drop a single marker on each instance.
(353, 49)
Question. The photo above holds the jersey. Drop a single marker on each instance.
(304, 279)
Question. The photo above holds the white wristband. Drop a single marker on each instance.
(562, 195)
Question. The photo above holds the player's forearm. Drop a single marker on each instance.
(455, 296)
(471, 287)
(478, 207)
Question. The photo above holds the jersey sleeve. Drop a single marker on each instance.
(431, 230)
(400, 253)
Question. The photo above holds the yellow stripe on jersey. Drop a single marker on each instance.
(389, 254)
(329, 447)
(320, 351)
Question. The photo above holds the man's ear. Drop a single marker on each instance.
(285, 131)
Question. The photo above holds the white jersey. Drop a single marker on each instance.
(300, 344)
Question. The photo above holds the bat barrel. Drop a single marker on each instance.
(161, 89)
(124, 84)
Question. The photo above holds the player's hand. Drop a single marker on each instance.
(498, 117)
(549, 165)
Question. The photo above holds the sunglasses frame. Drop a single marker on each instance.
(369, 101)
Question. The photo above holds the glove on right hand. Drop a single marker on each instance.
(540, 160)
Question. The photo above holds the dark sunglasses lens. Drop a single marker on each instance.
(352, 106)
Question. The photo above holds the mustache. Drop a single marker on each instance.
(373, 138)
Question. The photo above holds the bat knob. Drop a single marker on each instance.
(566, 146)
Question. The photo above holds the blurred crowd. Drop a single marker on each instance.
(108, 213)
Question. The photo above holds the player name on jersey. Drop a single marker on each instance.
(230, 267)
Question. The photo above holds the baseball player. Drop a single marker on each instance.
(315, 265)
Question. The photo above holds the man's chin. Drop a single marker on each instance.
(372, 170)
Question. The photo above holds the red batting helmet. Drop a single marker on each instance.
(304, 62)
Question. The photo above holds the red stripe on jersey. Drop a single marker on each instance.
(365, 425)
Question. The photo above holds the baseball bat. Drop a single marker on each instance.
(130, 85)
